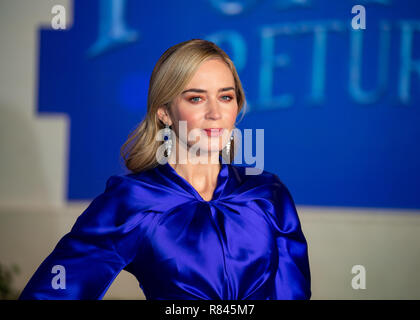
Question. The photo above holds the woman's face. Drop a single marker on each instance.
(209, 107)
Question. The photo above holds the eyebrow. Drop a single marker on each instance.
(202, 90)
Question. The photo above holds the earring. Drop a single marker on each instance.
(228, 146)
(167, 136)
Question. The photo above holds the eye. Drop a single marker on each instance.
(230, 98)
(193, 99)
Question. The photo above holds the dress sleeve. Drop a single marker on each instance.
(292, 280)
(100, 244)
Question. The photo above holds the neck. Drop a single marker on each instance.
(200, 169)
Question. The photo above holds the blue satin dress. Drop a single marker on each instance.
(245, 243)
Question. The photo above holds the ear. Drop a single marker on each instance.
(163, 115)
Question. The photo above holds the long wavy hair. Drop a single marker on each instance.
(170, 76)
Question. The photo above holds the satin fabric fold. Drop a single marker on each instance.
(245, 243)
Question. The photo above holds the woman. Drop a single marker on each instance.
(184, 222)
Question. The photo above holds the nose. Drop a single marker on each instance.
(213, 112)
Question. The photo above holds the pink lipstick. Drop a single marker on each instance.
(213, 132)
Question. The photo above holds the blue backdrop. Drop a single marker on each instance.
(340, 107)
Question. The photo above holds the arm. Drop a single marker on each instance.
(293, 280)
(85, 261)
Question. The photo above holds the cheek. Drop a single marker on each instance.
(231, 114)
(193, 119)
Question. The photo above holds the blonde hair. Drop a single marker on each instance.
(171, 74)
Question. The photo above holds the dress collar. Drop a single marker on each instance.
(222, 179)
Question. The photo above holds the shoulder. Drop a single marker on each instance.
(245, 175)
(120, 206)
(120, 190)
(134, 186)
(269, 192)
(129, 180)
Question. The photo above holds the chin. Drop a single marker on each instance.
(211, 150)
(216, 146)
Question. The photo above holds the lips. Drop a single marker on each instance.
(213, 132)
